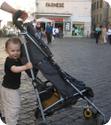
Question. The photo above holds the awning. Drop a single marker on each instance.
(56, 19)
(43, 19)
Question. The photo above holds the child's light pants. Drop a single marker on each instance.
(10, 100)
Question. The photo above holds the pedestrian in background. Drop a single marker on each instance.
(9, 89)
(38, 30)
(49, 29)
(97, 33)
(54, 32)
(104, 34)
(109, 34)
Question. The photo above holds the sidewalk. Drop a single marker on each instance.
(84, 60)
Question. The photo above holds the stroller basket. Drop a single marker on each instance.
(52, 100)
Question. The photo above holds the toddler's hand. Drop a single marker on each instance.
(29, 65)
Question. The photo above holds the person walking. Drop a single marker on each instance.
(97, 33)
(38, 30)
(109, 34)
(103, 34)
(9, 89)
(49, 31)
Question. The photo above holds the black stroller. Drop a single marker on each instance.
(64, 89)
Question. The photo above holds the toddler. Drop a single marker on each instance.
(11, 81)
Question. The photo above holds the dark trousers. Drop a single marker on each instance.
(109, 39)
(49, 38)
(97, 37)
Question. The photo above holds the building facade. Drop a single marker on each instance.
(72, 16)
(100, 12)
(109, 15)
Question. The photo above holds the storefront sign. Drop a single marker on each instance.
(56, 19)
(54, 4)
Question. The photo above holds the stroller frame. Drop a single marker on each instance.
(35, 80)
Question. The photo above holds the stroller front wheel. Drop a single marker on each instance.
(37, 113)
(42, 123)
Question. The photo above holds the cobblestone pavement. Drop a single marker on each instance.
(84, 60)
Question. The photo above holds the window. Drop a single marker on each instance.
(97, 4)
(96, 18)
(101, 3)
(100, 17)
(78, 29)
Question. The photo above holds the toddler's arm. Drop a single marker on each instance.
(17, 69)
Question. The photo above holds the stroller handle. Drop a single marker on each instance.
(18, 23)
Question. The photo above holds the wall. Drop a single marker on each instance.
(78, 10)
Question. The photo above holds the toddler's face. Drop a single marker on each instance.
(14, 50)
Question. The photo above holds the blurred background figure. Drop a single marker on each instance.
(109, 34)
(103, 34)
(97, 33)
(38, 30)
(49, 29)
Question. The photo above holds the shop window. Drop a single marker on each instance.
(78, 30)
(67, 26)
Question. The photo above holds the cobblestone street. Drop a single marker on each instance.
(84, 60)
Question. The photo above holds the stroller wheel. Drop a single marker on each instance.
(87, 113)
(42, 123)
(37, 113)
(102, 120)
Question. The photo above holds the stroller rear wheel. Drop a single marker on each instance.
(90, 112)
(87, 112)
